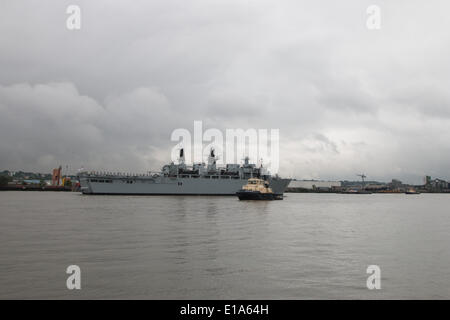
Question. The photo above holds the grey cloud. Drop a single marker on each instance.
(345, 99)
(52, 123)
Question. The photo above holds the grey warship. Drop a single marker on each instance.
(181, 179)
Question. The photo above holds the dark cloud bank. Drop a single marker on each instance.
(346, 99)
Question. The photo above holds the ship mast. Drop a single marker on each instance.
(181, 159)
(211, 161)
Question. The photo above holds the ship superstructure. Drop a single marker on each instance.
(181, 179)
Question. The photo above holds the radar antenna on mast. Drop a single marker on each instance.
(246, 160)
(181, 158)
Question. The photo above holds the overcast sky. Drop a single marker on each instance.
(345, 98)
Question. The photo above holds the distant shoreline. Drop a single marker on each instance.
(300, 190)
(34, 188)
(68, 189)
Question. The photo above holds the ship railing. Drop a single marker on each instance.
(121, 174)
(221, 177)
(207, 176)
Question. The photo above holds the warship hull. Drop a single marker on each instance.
(221, 186)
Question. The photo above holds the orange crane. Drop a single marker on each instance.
(56, 176)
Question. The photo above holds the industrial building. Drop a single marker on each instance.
(310, 185)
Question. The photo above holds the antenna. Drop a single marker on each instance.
(246, 160)
(181, 158)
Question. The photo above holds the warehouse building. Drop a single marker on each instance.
(310, 185)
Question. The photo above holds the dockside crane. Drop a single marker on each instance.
(363, 176)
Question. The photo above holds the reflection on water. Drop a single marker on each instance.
(306, 246)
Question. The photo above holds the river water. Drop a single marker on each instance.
(308, 246)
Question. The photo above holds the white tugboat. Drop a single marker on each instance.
(257, 189)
